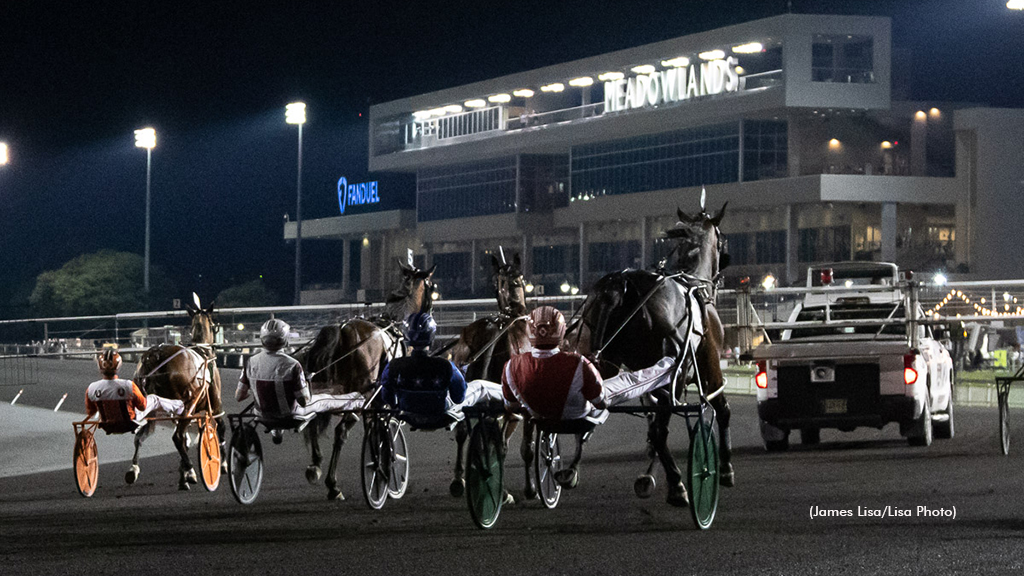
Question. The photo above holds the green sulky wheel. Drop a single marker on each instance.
(702, 473)
(484, 474)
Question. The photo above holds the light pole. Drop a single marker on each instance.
(146, 138)
(295, 113)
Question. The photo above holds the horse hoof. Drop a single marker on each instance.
(508, 499)
(568, 478)
(183, 486)
(530, 492)
(312, 474)
(277, 436)
(644, 485)
(335, 494)
(131, 475)
(457, 488)
(678, 497)
(726, 476)
(191, 477)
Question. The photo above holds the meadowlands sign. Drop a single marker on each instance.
(356, 194)
(672, 85)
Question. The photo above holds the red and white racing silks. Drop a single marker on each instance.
(122, 405)
(551, 384)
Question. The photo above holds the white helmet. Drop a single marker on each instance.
(274, 334)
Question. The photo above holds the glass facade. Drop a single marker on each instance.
(824, 244)
(842, 58)
(765, 150)
(706, 155)
(465, 190)
(543, 182)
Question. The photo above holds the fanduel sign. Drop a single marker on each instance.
(356, 194)
(672, 85)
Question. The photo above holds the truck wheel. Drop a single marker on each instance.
(944, 429)
(810, 436)
(921, 432)
(775, 439)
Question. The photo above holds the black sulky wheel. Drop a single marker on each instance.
(1004, 423)
(209, 455)
(376, 460)
(484, 473)
(399, 479)
(245, 464)
(702, 471)
(548, 461)
(87, 468)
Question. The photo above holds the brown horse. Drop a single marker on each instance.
(186, 374)
(487, 344)
(660, 327)
(349, 357)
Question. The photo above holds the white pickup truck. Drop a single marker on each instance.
(837, 366)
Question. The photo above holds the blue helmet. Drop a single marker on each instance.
(420, 329)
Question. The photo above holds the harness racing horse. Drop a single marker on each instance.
(488, 343)
(186, 374)
(637, 317)
(350, 357)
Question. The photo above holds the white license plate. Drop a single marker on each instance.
(835, 405)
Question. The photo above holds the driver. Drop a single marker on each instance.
(121, 405)
(430, 390)
(550, 384)
(280, 386)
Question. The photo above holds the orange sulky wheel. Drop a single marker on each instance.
(87, 466)
(209, 455)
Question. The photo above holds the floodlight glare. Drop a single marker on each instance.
(643, 69)
(1015, 4)
(581, 82)
(145, 138)
(751, 48)
(939, 279)
(712, 55)
(676, 62)
(607, 76)
(295, 113)
(4, 157)
(523, 93)
(499, 98)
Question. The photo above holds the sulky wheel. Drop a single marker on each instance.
(87, 466)
(399, 479)
(245, 464)
(209, 455)
(546, 463)
(376, 462)
(702, 473)
(484, 474)
(1004, 423)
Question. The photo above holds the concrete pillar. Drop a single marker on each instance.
(645, 243)
(889, 231)
(793, 146)
(346, 265)
(526, 255)
(791, 222)
(918, 146)
(584, 268)
(472, 268)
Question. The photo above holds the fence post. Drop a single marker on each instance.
(744, 321)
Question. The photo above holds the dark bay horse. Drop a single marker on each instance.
(660, 327)
(349, 357)
(186, 374)
(485, 345)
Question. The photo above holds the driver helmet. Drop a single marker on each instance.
(274, 334)
(109, 361)
(547, 328)
(420, 329)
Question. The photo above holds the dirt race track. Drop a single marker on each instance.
(763, 525)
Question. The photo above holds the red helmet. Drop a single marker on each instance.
(547, 327)
(109, 362)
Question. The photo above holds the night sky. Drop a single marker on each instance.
(76, 78)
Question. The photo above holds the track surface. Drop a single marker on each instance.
(763, 524)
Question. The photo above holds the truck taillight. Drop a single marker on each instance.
(762, 375)
(826, 276)
(909, 373)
